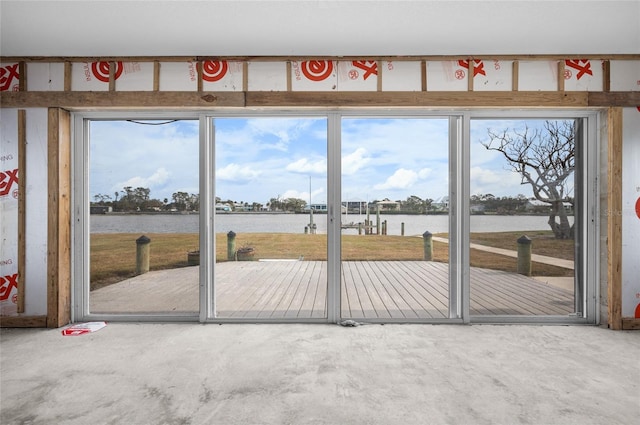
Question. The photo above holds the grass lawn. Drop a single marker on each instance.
(113, 255)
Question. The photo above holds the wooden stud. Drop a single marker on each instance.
(245, 76)
(623, 99)
(22, 72)
(614, 218)
(379, 84)
(67, 76)
(515, 75)
(561, 75)
(423, 75)
(199, 76)
(289, 83)
(22, 208)
(156, 76)
(59, 219)
(470, 75)
(112, 76)
(606, 76)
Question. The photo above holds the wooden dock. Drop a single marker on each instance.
(297, 290)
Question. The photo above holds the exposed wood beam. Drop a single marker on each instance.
(22, 208)
(416, 99)
(59, 219)
(23, 321)
(614, 219)
(131, 99)
(614, 98)
(595, 56)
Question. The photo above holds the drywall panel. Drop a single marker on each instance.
(359, 75)
(267, 76)
(401, 76)
(91, 76)
(222, 75)
(134, 76)
(625, 75)
(447, 76)
(45, 76)
(583, 75)
(493, 75)
(178, 76)
(9, 76)
(35, 274)
(538, 76)
(631, 213)
(314, 75)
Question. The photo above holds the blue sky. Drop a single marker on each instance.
(257, 159)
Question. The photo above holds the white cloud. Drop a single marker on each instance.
(157, 179)
(496, 182)
(354, 161)
(303, 165)
(425, 173)
(401, 179)
(236, 173)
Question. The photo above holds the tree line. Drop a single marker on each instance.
(138, 199)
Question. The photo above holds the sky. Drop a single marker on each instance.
(260, 158)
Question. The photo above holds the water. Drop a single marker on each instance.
(295, 223)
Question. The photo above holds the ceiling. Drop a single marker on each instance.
(317, 28)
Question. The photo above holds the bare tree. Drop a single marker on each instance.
(545, 158)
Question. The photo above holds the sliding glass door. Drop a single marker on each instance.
(405, 216)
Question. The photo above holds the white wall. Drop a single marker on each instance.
(319, 27)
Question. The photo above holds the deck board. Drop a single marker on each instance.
(297, 289)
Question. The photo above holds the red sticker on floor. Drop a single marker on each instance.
(83, 328)
(638, 207)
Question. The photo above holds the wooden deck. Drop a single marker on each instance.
(297, 289)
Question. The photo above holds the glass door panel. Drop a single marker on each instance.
(522, 217)
(144, 221)
(270, 218)
(395, 218)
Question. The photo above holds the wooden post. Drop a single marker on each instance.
(142, 254)
(384, 227)
(377, 219)
(524, 255)
(360, 228)
(231, 246)
(402, 229)
(428, 245)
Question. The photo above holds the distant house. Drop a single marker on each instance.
(387, 205)
(441, 204)
(223, 207)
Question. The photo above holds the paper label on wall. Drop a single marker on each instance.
(538, 76)
(314, 75)
(178, 76)
(9, 175)
(45, 76)
(492, 75)
(625, 75)
(267, 76)
(135, 76)
(447, 76)
(360, 75)
(631, 213)
(401, 76)
(583, 75)
(10, 77)
(222, 76)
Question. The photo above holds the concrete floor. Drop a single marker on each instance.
(320, 374)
